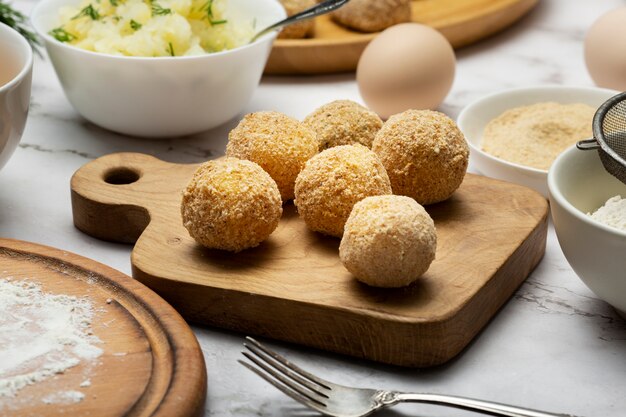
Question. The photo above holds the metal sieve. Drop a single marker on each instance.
(609, 136)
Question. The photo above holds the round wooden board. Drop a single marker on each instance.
(334, 48)
(151, 364)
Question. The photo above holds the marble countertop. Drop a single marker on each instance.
(553, 346)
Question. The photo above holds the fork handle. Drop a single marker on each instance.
(484, 407)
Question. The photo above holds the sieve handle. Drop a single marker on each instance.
(587, 144)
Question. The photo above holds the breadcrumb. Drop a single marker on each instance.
(333, 181)
(388, 241)
(231, 204)
(535, 135)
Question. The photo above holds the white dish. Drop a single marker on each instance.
(16, 67)
(163, 96)
(578, 185)
(475, 116)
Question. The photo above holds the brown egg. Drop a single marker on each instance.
(407, 66)
(604, 45)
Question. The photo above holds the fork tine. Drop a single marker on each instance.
(306, 401)
(288, 364)
(276, 373)
(269, 372)
(284, 369)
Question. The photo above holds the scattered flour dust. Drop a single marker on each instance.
(64, 397)
(42, 335)
(612, 213)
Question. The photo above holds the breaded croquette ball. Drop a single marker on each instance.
(373, 15)
(388, 241)
(343, 122)
(231, 204)
(300, 29)
(279, 143)
(424, 153)
(333, 181)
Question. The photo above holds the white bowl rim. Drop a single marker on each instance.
(29, 59)
(532, 88)
(35, 13)
(556, 194)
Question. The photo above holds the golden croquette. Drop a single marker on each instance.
(343, 122)
(300, 29)
(231, 204)
(333, 181)
(424, 153)
(278, 143)
(388, 241)
(373, 15)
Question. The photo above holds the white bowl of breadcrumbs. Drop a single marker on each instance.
(515, 135)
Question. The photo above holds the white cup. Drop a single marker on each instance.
(16, 68)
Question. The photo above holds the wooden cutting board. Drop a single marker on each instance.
(334, 48)
(151, 363)
(293, 287)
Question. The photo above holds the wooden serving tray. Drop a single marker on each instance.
(334, 48)
(293, 287)
(151, 364)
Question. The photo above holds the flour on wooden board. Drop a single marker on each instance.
(64, 397)
(42, 335)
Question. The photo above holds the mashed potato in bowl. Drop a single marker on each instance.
(152, 28)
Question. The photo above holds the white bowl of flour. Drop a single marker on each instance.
(593, 245)
(477, 115)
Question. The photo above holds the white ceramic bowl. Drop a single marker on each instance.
(475, 116)
(164, 96)
(578, 185)
(16, 68)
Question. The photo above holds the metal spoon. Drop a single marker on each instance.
(317, 10)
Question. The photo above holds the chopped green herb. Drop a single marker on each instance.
(171, 50)
(158, 10)
(18, 21)
(208, 6)
(88, 11)
(135, 25)
(114, 3)
(62, 35)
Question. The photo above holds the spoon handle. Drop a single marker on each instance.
(317, 10)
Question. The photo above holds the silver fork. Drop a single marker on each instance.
(341, 401)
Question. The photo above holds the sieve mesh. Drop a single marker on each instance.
(614, 128)
(609, 130)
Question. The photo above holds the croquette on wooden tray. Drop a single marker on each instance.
(293, 287)
(335, 48)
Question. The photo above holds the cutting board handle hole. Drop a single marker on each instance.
(121, 175)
